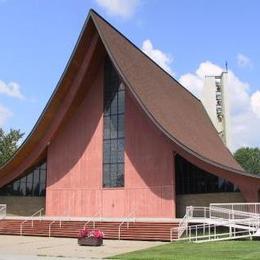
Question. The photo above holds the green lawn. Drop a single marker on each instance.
(190, 251)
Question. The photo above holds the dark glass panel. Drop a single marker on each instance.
(106, 151)
(113, 135)
(120, 147)
(36, 181)
(107, 107)
(113, 106)
(106, 127)
(23, 186)
(113, 174)
(16, 187)
(113, 127)
(42, 176)
(121, 102)
(106, 177)
(29, 185)
(29, 177)
(42, 189)
(120, 174)
(43, 166)
(121, 87)
(191, 179)
(121, 126)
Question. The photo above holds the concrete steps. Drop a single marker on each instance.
(159, 231)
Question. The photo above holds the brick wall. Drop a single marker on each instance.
(204, 200)
(22, 206)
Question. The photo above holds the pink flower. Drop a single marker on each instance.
(96, 233)
(83, 233)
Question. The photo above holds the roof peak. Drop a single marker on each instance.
(93, 12)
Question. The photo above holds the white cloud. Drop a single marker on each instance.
(245, 108)
(162, 59)
(255, 103)
(4, 115)
(194, 81)
(243, 61)
(11, 89)
(122, 8)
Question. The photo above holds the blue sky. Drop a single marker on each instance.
(189, 38)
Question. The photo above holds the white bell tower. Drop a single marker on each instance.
(216, 102)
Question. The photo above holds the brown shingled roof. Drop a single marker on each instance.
(172, 108)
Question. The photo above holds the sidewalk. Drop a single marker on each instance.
(31, 248)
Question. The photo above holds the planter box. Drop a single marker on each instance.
(90, 241)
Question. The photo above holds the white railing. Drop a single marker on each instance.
(199, 212)
(183, 224)
(126, 221)
(191, 212)
(93, 220)
(234, 216)
(214, 231)
(2, 211)
(38, 212)
(50, 225)
(209, 232)
(245, 207)
(223, 213)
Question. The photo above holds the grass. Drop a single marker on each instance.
(206, 251)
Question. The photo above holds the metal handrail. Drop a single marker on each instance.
(183, 223)
(240, 206)
(232, 218)
(93, 220)
(30, 218)
(236, 203)
(126, 220)
(251, 228)
(52, 224)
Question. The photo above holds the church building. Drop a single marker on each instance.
(120, 136)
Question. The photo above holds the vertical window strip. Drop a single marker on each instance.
(113, 131)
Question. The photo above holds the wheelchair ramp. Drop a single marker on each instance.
(218, 222)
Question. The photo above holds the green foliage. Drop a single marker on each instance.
(249, 159)
(8, 144)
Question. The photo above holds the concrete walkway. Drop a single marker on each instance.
(31, 248)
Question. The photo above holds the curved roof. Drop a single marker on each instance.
(174, 110)
(179, 114)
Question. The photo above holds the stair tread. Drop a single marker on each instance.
(135, 230)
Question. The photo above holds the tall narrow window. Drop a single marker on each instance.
(113, 133)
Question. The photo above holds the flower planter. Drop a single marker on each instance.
(90, 241)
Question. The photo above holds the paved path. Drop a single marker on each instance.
(31, 248)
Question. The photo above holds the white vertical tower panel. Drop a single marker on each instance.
(216, 102)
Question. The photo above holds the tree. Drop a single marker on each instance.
(8, 144)
(249, 159)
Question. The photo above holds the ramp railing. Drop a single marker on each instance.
(236, 221)
(191, 212)
(216, 232)
(245, 207)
